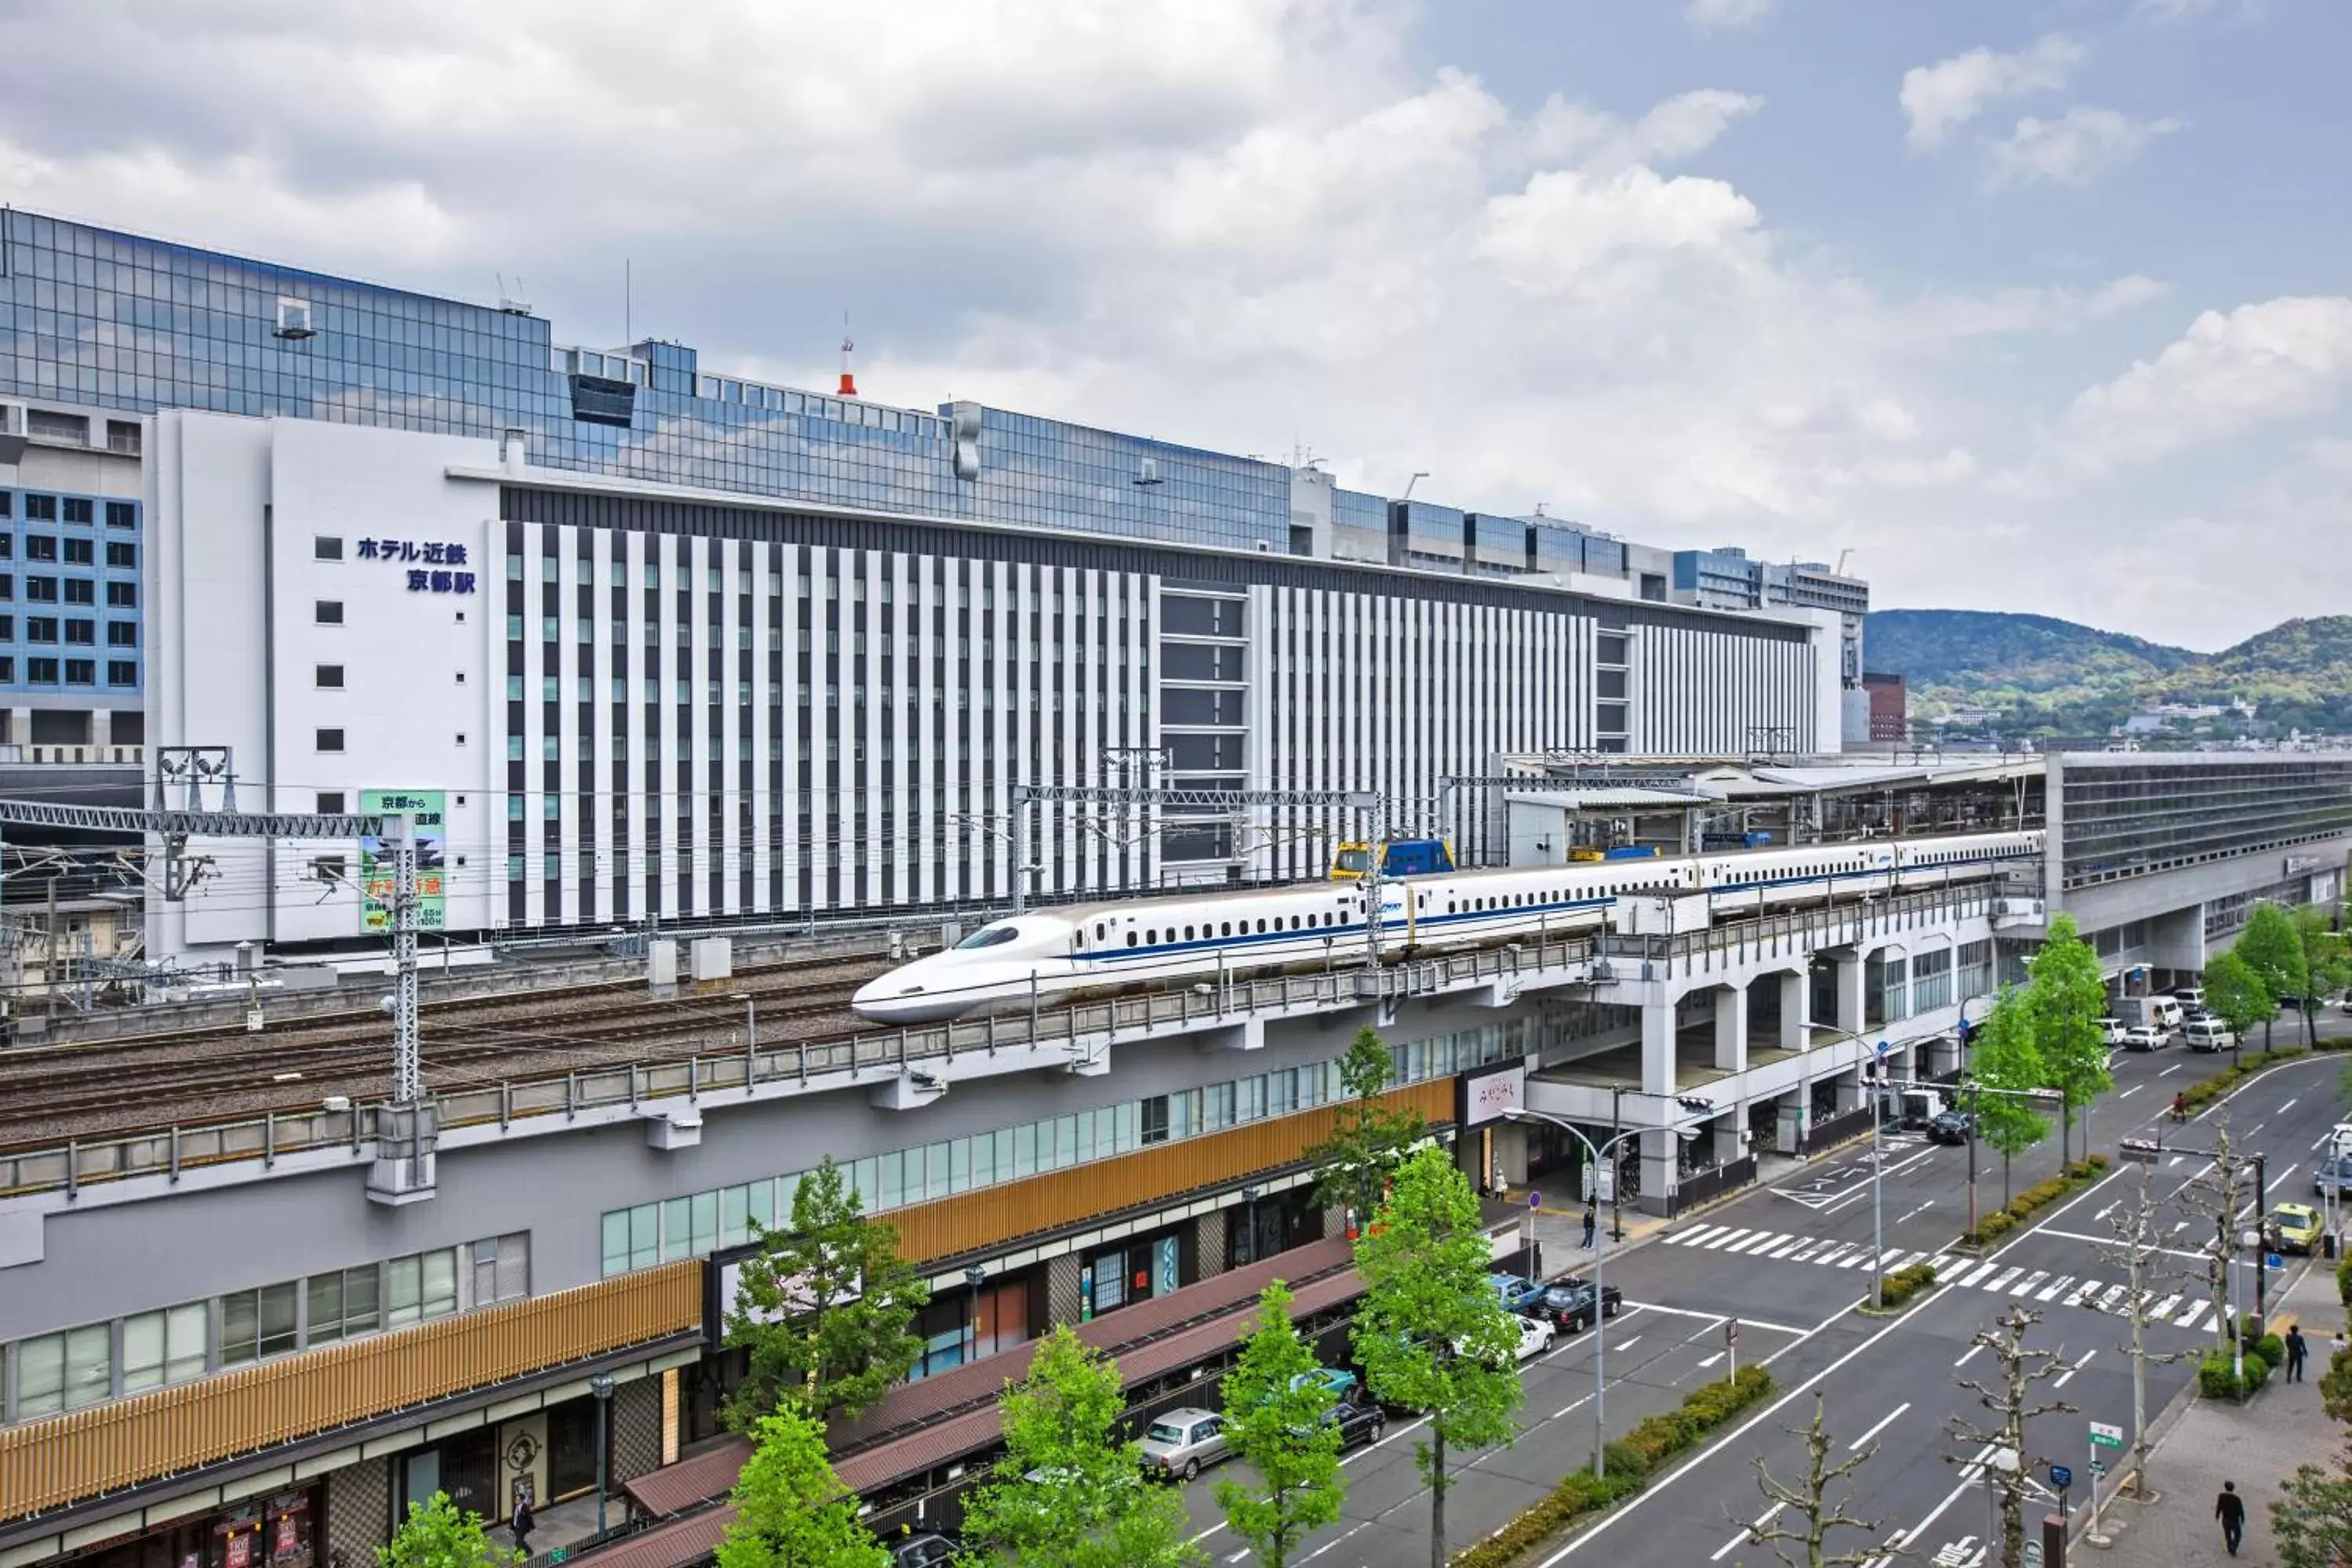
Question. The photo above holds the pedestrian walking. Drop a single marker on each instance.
(522, 1524)
(2231, 1509)
(2295, 1350)
(1592, 1222)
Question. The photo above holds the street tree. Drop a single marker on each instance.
(2000, 1459)
(2311, 1523)
(2004, 1057)
(2236, 994)
(440, 1534)
(2138, 1251)
(827, 1308)
(2272, 949)
(1805, 1513)
(791, 1510)
(1068, 1492)
(2066, 996)
(1368, 1138)
(2327, 969)
(2221, 1190)
(1431, 1334)
(1278, 1420)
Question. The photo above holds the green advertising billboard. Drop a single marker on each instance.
(424, 810)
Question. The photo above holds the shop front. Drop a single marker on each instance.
(282, 1530)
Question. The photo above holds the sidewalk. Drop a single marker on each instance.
(2257, 1445)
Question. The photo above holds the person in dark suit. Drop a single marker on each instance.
(2231, 1509)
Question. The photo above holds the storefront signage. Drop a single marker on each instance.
(1485, 1097)
(429, 563)
(427, 812)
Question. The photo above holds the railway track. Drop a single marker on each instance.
(118, 1088)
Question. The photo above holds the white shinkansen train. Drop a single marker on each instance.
(1061, 954)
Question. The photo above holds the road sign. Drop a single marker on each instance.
(2098, 1469)
(2105, 1436)
(2274, 1261)
(2139, 1151)
(1731, 1330)
(1534, 1199)
(2062, 1476)
(1604, 1186)
(2033, 1554)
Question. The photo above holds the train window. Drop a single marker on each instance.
(1295, 923)
(1449, 906)
(1261, 926)
(1130, 939)
(988, 936)
(1099, 932)
(1226, 929)
(1188, 934)
(1152, 937)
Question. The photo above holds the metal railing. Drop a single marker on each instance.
(1083, 1033)
(1729, 945)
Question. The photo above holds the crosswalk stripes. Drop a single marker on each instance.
(2041, 1286)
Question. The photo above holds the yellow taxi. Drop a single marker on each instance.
(2296, 1226)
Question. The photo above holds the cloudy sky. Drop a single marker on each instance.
(2030, 304)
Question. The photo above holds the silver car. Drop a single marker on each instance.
(1178, 1443)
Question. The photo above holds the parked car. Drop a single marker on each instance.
(1535, 1337)
(925, 1551)
(2296, 1227)
(1366, 1422)
(1520, 1293)
(1951, 1127)
(2207, 1033)
(1182, 1441)
(2145, 1037)
(2334, 1176)
(2190, 995)
(2111, 1031)
(1567, 1304)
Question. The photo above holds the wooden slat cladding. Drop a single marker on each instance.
(949, 1228)
(88, 1453)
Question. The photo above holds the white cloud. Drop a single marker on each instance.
(1938, 100)
(2282, 359)
(1724, 15)
(2074, 149)
(1678, 129)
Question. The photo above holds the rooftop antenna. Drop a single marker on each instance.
(1413, 482)
(848, 380)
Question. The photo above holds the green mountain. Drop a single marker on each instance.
(2036, 674)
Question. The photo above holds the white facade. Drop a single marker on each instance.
(658, 703)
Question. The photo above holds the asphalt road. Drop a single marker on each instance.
(1789, 1262)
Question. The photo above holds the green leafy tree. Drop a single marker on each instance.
(2003, 1057)
(2272, 949)
(1068, 1493)
(1431, 1334)
(791, 1510)
(440, 1534)
(2236, 994)
(1278, 1420)
(2326, 967)
(827, 1308)
(2311, 1523)
(2066, 996)
(1368, 1138)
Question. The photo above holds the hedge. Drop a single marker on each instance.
(1630, 1462)
(1899, 1287)
(2205, 1091)
(2216, 1375)
(2344, 1281)
(2273, 1350)
(2039, 1195)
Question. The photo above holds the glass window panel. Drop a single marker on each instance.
(960, 1166)
(404, 1292)
(645, 1230)
(1066, 1142)
(734, 1209)
(41, 1375)
(704, 1208)
(893, 1191)
(142, 1351)
(440, 1282)
(935, 1172)
(676, 1230)
(278, 1319)
(184, 1330)
(616, 1243)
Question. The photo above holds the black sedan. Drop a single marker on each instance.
(1950, 1127)
(1567, 1304)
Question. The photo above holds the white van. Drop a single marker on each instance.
(2190, 995)
(2164, 1013)
(2208, 1034)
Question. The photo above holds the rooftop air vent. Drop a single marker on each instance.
(294, 320)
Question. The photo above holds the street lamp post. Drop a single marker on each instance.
(973, 1277)
(1606, 1150)
(600, 1385)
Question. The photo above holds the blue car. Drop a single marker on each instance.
(1518, 1294)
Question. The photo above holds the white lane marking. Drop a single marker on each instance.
(2287, 1107)
(2027, 1284)
(2060, 1381)
(2076, 1297)
(1633, 1307)
(1914, 1213)
(1756, 1243)
(1787, 1247)
(1629, 1344)
(2115, 1293)
(1692, 1239)
(2132, 1090)
(1979, 1272)
(1743, 1538)
(1908, 1536)
(1633, 1504)
(1966, 1354)
(1414, 1425)
(2164, 1309)
(2052, 1290)
(2109, 1241)
(1884, 1422)
(1830, 1259)
(1710, 1361)
(2195, 1310)
(1239, 1555)
(2006, 1275)
(2100, 1217)
(1572, 1407)
(2170, 1071)
(2283, 1176)
(1722, 1240)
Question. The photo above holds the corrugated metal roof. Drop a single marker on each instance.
(667, 1545)
(694, 1479)
(1611, 799)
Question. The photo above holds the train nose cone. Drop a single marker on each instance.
(901, 997)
